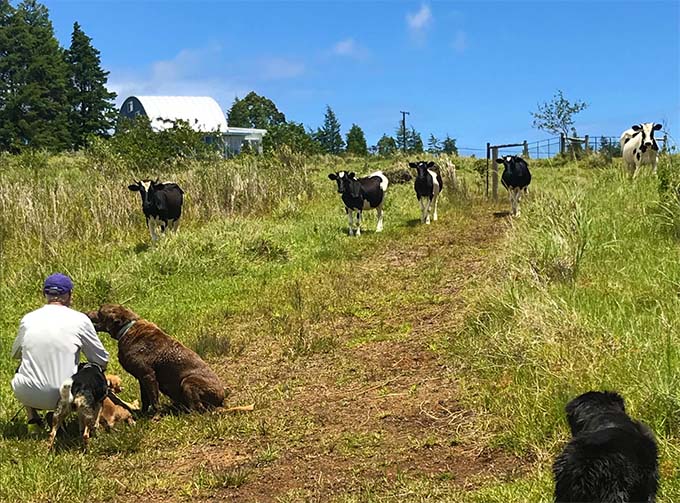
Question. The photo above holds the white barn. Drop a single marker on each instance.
(202, 113)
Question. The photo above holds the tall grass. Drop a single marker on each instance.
(585, 295)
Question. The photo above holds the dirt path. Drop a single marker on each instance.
(378, 408)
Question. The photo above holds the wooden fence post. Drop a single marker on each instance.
(562, 143)
(488, 153)
(525, 149)
(587, 146)
(494, 173)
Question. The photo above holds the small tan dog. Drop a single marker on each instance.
(111, 412)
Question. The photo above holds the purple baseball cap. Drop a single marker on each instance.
(57, 284)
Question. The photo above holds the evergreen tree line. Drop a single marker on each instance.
(256, 111)
(50, 98)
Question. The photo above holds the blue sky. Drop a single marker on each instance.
(471, 69)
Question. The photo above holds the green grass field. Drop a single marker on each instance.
(425, 363)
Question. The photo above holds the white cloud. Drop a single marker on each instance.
(190, 73)
(281, 68)
(349, 48)
(420, 20)
(460, 42)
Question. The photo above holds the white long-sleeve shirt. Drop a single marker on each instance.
(48, 344)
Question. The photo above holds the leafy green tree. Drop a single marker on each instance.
(34, 108)
(254, 111)
(557, 116)
(449, 146)
(387, 146)
(433, 145)
(91, 109)
(356, 141)
(293, 135)
(329, 135)
(145, 149)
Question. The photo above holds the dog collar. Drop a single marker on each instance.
(125, 328)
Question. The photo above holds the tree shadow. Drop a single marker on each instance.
(414, 222)
(501, 214)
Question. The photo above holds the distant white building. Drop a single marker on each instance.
(202, 113)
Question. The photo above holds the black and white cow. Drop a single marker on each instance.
(428, 184)
(361, 194)
(516, 178)
(639, 146)
(161, 204)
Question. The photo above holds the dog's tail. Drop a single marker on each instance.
(65, 391)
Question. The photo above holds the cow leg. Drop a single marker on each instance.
(151, 224)
(421, 200)
(379, 211)
(518, 197)
(358, 232)
(435, 200)
(174, 225)
(350, 219)
(428, 208)
(164, 225)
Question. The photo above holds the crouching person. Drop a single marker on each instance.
(48, 344)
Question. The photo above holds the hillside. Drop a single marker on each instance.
(420, 364)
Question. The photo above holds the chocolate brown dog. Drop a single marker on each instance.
(159, 362)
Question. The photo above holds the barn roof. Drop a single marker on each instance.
(202, 113)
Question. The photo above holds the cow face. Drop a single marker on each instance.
(146, 189)
(343, 180)
(421, 167)
(647, 129)
(507, 161)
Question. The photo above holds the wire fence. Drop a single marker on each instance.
(549, 147)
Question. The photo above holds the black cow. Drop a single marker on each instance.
(428, 184)
(161, 204)
(360, 194)
(516, 178)
(610, 458)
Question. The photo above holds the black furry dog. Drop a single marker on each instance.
(83, 392)
(610, 458)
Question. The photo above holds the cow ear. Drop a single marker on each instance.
(499, 161)
(412, 165)
(333, 176)
(134, 187)
(351, 175)
(430, 164)
(657, 127)
(636, 128)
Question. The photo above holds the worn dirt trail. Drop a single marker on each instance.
(376, 409)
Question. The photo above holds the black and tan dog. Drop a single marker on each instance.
(83, 392)
(610, 458)
(159, 362)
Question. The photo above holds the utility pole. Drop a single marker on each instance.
(403, 129)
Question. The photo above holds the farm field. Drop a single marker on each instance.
(425, 363)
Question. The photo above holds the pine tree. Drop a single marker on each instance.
(91, 107)
(449, 146)
(433, 145)
(356, 141)
(414, 143)
(254, 111)
(329, 135)
(34, 110)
